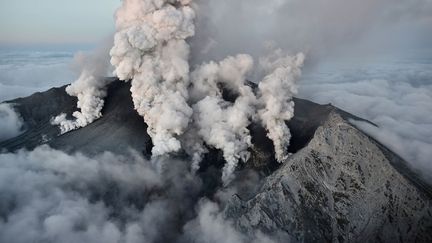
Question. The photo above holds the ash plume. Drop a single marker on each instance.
(150, 49)
(89, 88)
(185, 109)
(222, 124)
(275, 95)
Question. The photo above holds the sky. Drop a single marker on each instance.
(31, 22)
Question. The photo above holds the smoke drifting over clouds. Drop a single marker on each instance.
(10, 122)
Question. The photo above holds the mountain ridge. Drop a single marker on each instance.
(324, 143)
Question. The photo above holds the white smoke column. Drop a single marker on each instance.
(220, 123)
(91, 92)
(150, 49)
(276, 91)
(90, 89)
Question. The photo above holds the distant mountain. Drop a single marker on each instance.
(340, 185)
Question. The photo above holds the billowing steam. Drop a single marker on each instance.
(187, 110)
(222, 124)
(150, 49)
(89, 88)
(90, 92)
(276, 91)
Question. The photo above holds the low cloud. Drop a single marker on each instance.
(25, 72)
(211, 226)
(11, 124)
(51, 196)
(415, 151)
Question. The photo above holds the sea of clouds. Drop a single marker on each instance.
(23, 72)
(51, 196)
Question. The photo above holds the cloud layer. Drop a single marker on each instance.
(25, 72)
(50, 196)
(11, 124)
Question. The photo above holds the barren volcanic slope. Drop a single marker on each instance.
(339, 185)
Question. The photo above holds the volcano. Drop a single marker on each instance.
(338, 185)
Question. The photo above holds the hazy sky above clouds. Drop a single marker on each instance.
(317, 27)
(56, 21)
(294, 25)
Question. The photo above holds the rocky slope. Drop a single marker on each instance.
(339, 186)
